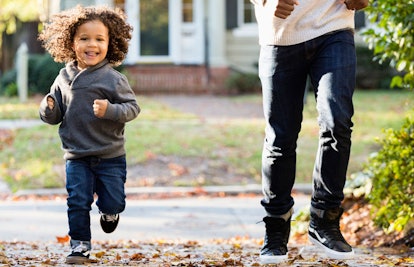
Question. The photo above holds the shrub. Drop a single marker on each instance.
(242, 83)
(371, 74)
(42, 73)
(391, 37)
(392, 172)
(7, 80)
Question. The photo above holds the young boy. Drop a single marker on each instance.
(92, 102)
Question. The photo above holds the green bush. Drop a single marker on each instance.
(371, 74)
(42, 73)
(242, 83)
(392, 173)
(45, 70)
(391, 36)
(7, 81)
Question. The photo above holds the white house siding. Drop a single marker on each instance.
(242, 52)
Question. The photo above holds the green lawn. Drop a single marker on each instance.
(32, 159)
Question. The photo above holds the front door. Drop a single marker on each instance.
(192, 32)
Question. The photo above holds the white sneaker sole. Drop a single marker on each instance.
(265, 259)
(332, 253)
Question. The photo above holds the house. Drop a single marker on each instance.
(184, 45)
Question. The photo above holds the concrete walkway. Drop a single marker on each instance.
(190, 218)
(16, 124)
(203, 220)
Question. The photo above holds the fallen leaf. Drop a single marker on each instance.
(100, 254)
(63, 239)
(150, 155)
(137, 257)
(177, 170)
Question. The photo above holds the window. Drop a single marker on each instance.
(244, 21)
(247, 15)
(187, 11)
(154, 34)
(120, 4)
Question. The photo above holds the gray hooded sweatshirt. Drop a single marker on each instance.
(81, 132)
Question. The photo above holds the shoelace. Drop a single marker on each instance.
(110, 217)
(81, 248)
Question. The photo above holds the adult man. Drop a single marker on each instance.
(301, 38)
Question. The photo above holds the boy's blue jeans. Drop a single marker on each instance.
(330, 62)
(89, 175)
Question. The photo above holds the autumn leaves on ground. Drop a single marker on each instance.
(372, 248)
(238, 251)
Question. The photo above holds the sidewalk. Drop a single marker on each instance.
(190, 231)
(143, 219)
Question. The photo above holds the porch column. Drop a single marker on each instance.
(216, 13)
(132, 12)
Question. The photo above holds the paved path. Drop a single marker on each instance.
(15, 124)
(192, 218)
(204, 220)
(212, 106)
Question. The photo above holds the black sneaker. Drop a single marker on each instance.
(324, 232)
(274, 248)
(109, 222)
(80, 255)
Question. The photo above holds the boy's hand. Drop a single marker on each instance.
(50, 103)
(99, 107)
(356, 4)
(285, 7)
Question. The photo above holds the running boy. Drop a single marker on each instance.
(92, 102)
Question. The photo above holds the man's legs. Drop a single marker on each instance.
(333, 75)
(283, 73)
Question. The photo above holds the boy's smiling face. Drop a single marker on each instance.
(90, 43)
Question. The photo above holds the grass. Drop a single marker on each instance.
(34, 159)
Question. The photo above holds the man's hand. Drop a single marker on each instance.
(285, 7)
(99, 107)
(356, 4)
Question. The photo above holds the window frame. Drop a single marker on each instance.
(245, 29)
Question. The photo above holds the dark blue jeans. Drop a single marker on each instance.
(329, 61)
(84, 178)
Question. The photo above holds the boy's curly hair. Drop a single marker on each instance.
(58, 34)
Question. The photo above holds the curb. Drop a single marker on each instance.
(174, 190)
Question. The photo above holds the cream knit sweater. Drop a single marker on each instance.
(310, 19)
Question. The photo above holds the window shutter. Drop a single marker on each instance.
(231, 14)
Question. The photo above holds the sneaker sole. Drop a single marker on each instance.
(265, 259)
(332, 253)
(76, 260)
